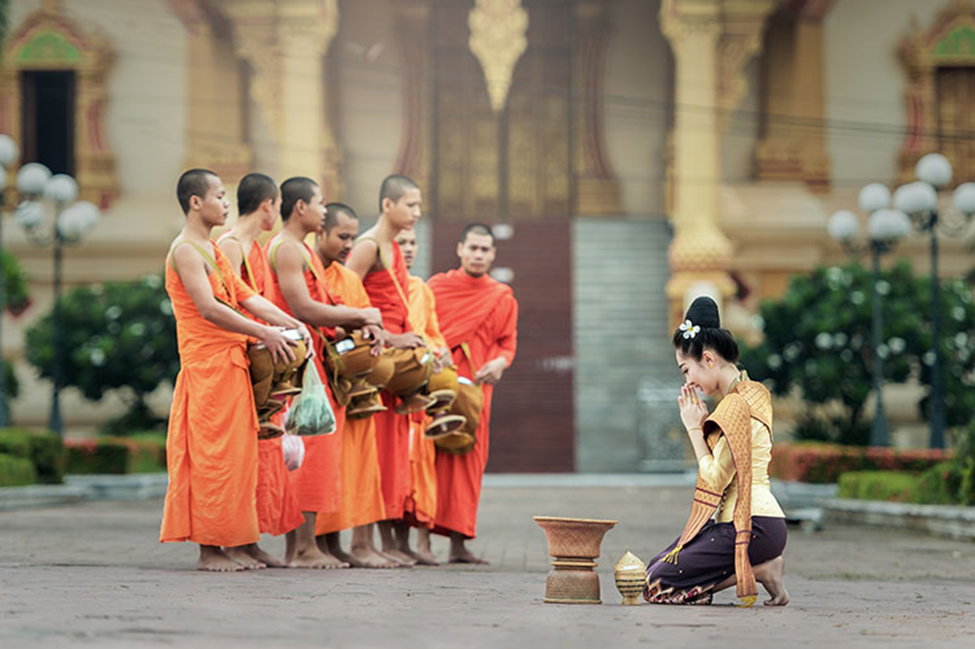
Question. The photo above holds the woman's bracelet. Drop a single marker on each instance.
(691, 430)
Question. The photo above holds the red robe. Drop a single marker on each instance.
(362, 495)
(277, 509)
(483, 313)
(211, 445)
(392, 430)
(317, 485)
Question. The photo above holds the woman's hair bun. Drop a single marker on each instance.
(703, 312)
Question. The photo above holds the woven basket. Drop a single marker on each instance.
(574, 537)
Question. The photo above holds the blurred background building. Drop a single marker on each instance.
(637, 152)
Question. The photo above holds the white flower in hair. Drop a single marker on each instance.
(690, 330)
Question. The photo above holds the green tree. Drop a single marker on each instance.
(116, 336)
(818, 342)
(14, 299)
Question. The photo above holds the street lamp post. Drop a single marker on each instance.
(885, 227)
(919, 200)
(69, 222)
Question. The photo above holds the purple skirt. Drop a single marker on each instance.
(710, 556)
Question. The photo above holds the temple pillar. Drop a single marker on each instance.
(284, 44)
(699, 254)
(793, 146)
(217, 129)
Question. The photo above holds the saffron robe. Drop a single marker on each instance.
(421, 506)
(211, 445)
(277, 508)
(317, 484)
(392, 430)
(362, 495)
(483, 313)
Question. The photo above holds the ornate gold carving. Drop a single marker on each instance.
(740, 40)
(794, 148)
(49, 40)
(281, 41)
(597, 190)
(681, 17)
(498, 39)
(948, 42)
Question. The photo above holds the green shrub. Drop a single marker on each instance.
(965, 466)
(878, 485)
(117, 455)
(44, 450)
(16, 471)
(938, 485)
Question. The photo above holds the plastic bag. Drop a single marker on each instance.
(293, 451)
(310, 413)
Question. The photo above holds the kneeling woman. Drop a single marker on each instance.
(733, 447)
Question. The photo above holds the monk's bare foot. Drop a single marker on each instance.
(771, 575)
(423, 550)
(213, 559)
(257, 553)
(463, 555)
(425, 557)
(401, 558)
(314, 558)
(243, 557)
(369, 558)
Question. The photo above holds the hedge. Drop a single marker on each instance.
(44, 450)
(936, 486)
(138, 454)
(16, 471)
(824, 463)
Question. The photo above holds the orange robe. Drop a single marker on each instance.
(362, 495)
(483, 313)
(317, 484)
(277, 509)
(421, 507)
(211, 446)
(392, 430)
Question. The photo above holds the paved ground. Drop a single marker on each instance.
(94, 575)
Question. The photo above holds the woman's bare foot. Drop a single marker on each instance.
(312, 557)
(770, 574)
(369, 558)
(244, 558)
(213, 559)
(257, 553)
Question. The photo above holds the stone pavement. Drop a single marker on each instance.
(94, 575)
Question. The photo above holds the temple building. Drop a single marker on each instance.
(632, 154)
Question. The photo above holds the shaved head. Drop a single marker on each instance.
(394, 187)
(477, 228)
(334, 210)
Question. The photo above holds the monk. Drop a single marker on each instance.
(422, 504)
(475, 309)
(297, 285)
(379, 262)
(211, 445)
(258, 206)
(362, 496)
